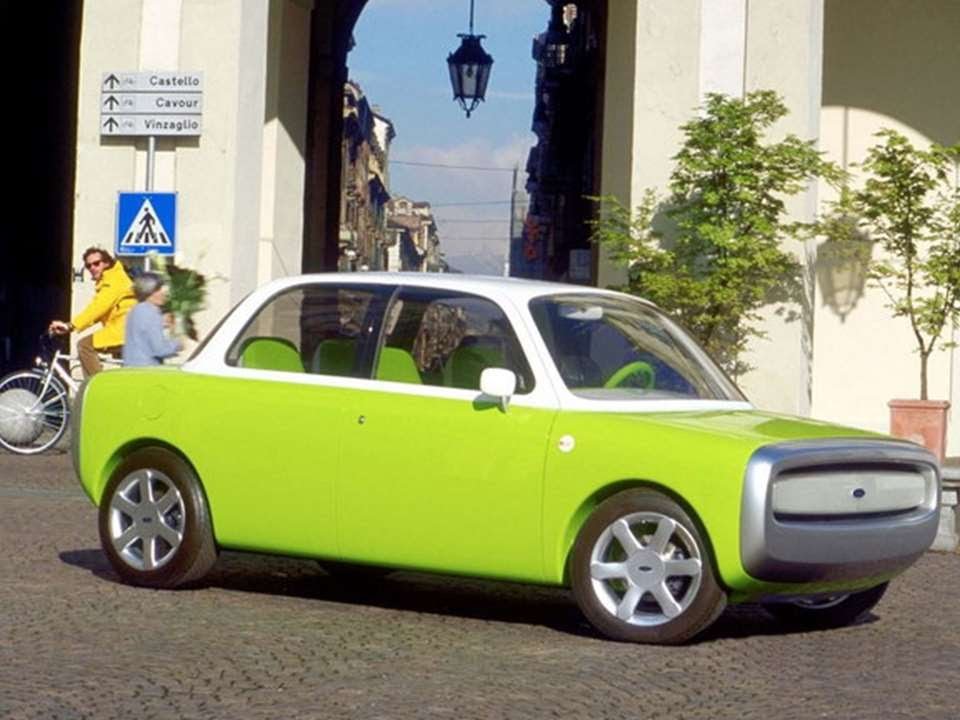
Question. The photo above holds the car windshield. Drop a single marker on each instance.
(616, 348)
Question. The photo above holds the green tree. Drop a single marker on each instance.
(720, 259)
(911, 209)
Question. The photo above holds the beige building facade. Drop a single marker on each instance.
(846, 68)
(888, 64)
(241, 183)
(253, 187)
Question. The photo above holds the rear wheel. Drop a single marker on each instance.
(34, 412)
(826, 612)
(641, 571)
(155, 525)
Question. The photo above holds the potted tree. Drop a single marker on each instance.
(910, 207)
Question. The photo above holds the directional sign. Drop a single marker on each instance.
(151, 103)
(151, 125)
(152, 81)
(146, 222)
(147, 103)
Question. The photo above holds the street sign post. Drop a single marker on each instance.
(149, 104)
(146, 222)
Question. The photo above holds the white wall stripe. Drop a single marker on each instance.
(723, 41)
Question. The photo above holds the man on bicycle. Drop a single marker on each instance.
(112, 300)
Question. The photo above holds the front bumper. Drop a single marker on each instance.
(848, 539)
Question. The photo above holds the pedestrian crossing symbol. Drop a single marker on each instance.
(146, 222)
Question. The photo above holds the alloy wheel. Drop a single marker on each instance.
(645, 569)
(146, 519)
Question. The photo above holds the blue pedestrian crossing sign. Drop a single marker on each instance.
(146, 222)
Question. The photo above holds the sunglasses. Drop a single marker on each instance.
(93, 264)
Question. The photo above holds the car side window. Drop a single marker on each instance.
(323, 329)
(446, 339)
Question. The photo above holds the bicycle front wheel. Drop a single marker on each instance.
(34, 412)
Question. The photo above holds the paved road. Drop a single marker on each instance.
(276, 638)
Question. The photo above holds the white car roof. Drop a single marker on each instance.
(517, 289)
(513, 294)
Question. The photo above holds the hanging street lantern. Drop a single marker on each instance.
(469, 69)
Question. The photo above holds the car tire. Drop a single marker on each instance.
(641, 571)
(154, 521)
(828, 612)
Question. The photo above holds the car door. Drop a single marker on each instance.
(289, 377)
(434, 475)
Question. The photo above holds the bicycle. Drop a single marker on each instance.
(35, 403)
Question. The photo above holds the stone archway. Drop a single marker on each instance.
(894, 61)
(331, 29)
(564, 169)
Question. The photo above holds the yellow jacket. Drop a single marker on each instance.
(111, 302)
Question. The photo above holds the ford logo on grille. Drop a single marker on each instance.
(859, 493)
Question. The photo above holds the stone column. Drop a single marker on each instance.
(663, 56)
(284, 141)
(785, 53)
(217, 175)
(650, 88)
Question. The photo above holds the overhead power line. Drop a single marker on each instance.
(479, 237)
(471, 220)
(484, 168)
(478, 202)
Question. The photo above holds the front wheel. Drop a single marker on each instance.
(34, 412)
(826, 612)
(155, 526)
(641, 571)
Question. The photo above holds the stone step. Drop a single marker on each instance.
(948, 534)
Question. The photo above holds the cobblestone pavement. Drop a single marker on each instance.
(279, 638)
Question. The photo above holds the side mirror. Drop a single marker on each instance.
(498, 383)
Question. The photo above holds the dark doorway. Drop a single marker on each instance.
(35, 272)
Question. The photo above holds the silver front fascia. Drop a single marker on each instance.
(818, 546)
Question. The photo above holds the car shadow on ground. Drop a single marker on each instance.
(418, 592)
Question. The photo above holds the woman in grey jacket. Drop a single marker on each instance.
(145, 342)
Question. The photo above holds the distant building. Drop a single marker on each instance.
(554, 241)
(364, 182)
(519, 202)
(414, 243)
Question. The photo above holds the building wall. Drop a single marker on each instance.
(651, 87)
(663, 56)
(284, 143)
(240, 184)
(887, 63)
(784, 42)
(561, 176)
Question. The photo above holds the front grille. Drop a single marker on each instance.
(844, 491)
(842, 517)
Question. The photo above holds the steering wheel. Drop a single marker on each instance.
(639, 369)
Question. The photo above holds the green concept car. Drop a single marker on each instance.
(496, 428)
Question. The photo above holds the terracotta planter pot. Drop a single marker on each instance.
(921, 421)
